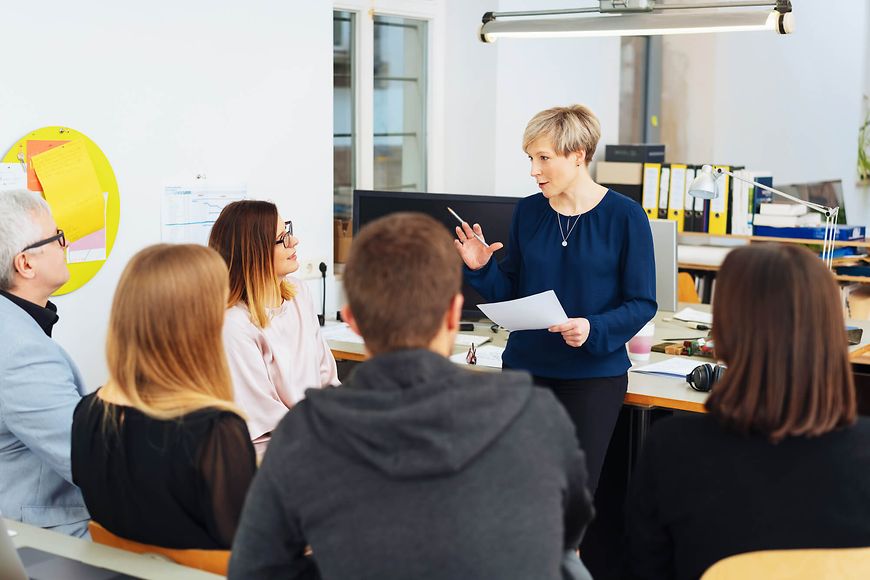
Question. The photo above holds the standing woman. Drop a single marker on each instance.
(593, 247)
(161, 453)
(271, 333)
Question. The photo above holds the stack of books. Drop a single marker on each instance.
(786, 215)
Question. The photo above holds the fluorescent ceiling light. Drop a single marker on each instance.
(656, 20)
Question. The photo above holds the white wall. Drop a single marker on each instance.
(469, 101)
(790, 104)
(862, 191)
(535, 74)
(492, 90)
(239, 91)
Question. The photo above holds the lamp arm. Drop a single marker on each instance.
(827, 211)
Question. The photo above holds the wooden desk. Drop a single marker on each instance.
(102, 556)
(647, 391)
(644, 391)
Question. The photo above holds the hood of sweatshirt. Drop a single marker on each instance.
(413, 413)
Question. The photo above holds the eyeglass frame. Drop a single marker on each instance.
(59, 237)
(284, 237)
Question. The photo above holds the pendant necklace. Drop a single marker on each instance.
(568, 226)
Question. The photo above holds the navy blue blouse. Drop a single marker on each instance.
(605, 274)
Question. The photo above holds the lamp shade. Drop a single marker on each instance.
(704, 185)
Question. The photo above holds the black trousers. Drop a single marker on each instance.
(593, 405)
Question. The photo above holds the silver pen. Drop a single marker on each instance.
(462, 221)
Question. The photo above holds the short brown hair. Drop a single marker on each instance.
(571, 129)
(778, 325)
(244, 236)
(400, 278)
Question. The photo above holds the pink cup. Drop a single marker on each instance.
(640, 346)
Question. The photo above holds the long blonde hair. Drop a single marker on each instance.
(164, 347)
(244, 235)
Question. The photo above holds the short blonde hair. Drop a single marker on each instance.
(571, 129)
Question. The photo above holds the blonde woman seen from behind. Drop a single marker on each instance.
(273, 341)
(161, 453)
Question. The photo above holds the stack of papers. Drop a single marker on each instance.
(672, 367)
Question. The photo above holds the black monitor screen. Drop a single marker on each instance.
(494, 214)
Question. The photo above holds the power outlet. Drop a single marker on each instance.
(310, 269)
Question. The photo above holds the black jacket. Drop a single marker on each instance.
(417, 468)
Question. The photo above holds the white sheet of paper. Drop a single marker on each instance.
(467, 339)
(340, 332)
(536, 312)
(692, 315)
(673, 367)
(188, 213)
(487, 356)
(12, 176)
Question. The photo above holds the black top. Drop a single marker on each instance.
(702, 493)
(417, 468)
(179, 483)
(46, 317)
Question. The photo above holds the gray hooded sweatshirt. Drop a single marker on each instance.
(416, 468)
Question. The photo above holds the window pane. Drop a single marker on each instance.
(632, 90)
(399, 103)
(343, 85)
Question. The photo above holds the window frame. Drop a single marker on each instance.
(432, 11)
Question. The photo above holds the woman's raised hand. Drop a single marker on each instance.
(474, 253)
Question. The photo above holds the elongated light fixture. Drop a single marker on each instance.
(704, 187)
(638, 18)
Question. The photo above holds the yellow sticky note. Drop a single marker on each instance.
(71, 188)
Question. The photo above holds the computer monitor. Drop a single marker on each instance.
(493, 213)
(664, 234)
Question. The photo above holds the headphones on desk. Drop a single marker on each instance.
(703, 377)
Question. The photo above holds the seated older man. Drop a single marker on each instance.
(39, 383)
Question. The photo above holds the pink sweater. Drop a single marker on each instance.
(271, 367)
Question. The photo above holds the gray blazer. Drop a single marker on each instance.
(40, 387)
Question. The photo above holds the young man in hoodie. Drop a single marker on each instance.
(415, 467)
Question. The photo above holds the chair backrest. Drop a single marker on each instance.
(686, 289)
(214, 561)
(816, 564)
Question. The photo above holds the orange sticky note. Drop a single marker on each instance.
(35, 148)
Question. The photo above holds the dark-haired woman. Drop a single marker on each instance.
(271, 333)
(780, 461)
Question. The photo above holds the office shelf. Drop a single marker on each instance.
(807, 242)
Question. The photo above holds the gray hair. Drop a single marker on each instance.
(18, 228)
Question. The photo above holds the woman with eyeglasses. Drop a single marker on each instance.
(271, 333)
(780, 461)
